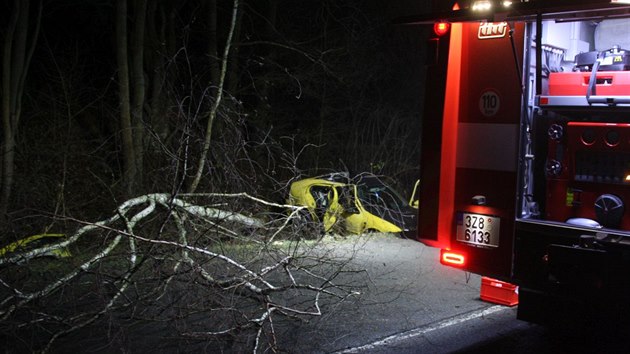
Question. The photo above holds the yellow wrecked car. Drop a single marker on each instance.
(364, 203)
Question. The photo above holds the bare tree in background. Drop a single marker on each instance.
(130, 62)
(203, 158)
(20, 39)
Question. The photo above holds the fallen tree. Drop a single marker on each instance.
(200, 267)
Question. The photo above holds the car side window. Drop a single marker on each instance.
(347, 199)
(379, 200)
(320, 195)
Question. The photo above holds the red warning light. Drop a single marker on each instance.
(452, 258)
(441, 28)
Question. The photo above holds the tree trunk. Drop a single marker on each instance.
(233, 71)
(213, 51)
(217, 102)
(8, 141)
(156, 73)
(138, 85)
(270, 58)
(15, 63)
(129, 162)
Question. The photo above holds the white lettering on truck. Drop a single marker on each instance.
(488, 30)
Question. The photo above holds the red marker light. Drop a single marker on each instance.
(452, 258)
(441, 28)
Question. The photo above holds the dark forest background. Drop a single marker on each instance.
(93, 115)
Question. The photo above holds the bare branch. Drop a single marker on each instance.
(269, 277)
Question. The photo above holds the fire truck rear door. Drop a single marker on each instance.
(480, 139)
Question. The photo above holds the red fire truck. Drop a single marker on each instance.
(525, 163)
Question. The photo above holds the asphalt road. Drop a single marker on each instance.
(407, 289)
(415, 305)
(404, 302)
(399, 288)
(495, 330)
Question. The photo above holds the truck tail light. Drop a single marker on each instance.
(451, 258)
(441, 28)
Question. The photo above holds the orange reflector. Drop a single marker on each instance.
(451, 258)
(498, 292)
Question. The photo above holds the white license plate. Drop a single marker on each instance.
(477, 229)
